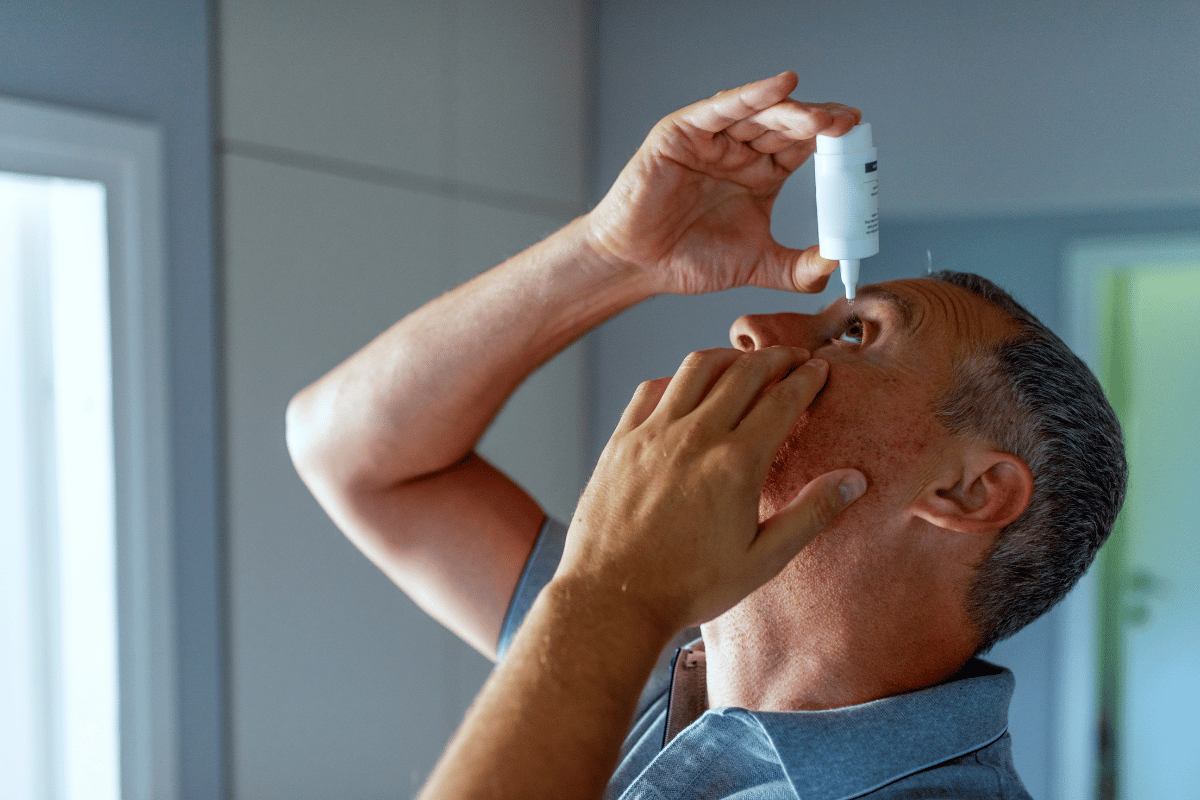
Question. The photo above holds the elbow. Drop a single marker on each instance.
(316, 444)
(301, 436)
(314, 459)
(310, 445)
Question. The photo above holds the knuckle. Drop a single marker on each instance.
(782, 406)
(736, 461)
(707, 361)
(695, 360)
(791, 397)
(714, 354)
(754, 363)
(692, 437)
(652, 386)
(765, 363)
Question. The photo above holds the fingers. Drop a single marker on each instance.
(790, 158)
(810, 270)
(757, 395)
(794, 270)
(726, 383)
(813, 510)
(792, 121)
(742, 385)
(725, 108)
(695, 378)
(768, 423)
(748, 112)
(642, 404)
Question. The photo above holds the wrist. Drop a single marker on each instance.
(609, 613)
(602, 249)
(571, 285)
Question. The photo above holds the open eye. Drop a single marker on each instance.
(853, 332)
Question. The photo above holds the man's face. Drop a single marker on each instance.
(890, 354)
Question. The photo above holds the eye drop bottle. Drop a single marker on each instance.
(848, 200)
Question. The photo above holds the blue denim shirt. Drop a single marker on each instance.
(949, 740)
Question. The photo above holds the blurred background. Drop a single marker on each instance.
(329, 166)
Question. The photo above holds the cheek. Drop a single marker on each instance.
(786, 475)
(886, 447)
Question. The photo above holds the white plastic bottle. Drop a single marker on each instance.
(848, 200)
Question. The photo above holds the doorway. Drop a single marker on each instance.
(1141, 297)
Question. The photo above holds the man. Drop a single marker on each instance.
(835, 665)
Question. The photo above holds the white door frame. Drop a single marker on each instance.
(126, 157)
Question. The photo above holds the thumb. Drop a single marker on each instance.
(811, 511)
(808, 269)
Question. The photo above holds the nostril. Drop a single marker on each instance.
(745, 342)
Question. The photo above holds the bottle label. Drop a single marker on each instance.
(872, 212)
(847, 192)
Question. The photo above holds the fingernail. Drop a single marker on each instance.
(852, 487)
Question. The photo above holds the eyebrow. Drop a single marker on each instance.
(894, 299)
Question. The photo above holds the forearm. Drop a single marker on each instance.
(551, 719)
(417, 399)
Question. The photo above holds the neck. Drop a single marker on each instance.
(800, 643)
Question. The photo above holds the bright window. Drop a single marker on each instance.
(59, 618)
(87, 670)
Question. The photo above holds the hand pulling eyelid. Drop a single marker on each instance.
(847, 179)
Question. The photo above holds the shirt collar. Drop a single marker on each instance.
(846, 752)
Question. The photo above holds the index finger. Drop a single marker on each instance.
(793, 120)
(725, 108)
(772, 417)
(737, 391)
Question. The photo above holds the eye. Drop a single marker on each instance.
(853, 332)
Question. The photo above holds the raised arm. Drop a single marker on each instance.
(386, 440)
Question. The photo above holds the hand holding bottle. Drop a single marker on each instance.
(693, 207)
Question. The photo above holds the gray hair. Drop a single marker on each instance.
(1030, 396)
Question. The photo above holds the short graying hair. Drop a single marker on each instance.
(1030, 396)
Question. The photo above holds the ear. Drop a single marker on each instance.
(977, 491)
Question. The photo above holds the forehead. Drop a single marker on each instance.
(932, 311)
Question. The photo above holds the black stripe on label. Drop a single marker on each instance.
(874, 165)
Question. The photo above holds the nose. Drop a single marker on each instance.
(756, 331)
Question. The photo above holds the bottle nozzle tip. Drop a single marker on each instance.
(850, 277)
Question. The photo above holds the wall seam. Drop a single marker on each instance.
(401, 179)
(222, 772)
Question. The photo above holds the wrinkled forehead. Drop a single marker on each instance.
(931, 311)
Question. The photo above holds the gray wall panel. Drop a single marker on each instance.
(375, 155)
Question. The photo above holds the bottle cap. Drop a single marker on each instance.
(855, 140)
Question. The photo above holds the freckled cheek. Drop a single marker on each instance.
(877, 418)
(884, 441)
